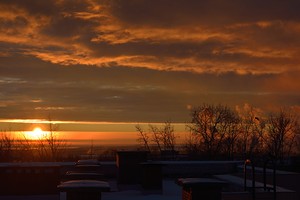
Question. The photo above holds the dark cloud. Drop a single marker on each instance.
(215, 12)
(33, 7)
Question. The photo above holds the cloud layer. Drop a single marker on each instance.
(145, 60)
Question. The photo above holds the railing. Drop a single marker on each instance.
(253, 187)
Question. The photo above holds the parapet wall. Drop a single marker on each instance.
(198, 168)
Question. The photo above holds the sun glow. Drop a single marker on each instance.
(36, 133)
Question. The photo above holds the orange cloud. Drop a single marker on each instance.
(97, 33)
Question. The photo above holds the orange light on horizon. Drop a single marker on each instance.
(36, 134)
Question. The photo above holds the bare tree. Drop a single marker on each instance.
(192, 144)
(211, 123)
(143, 137)
(50, 147)
(156, 136)
(281, 131)
(298, 141)
(162, 137)
(27, 149)
(231, 139)
(7, 144)
(251, 129)
(168, 136)
(56, 146)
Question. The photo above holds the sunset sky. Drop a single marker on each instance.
(145, 60)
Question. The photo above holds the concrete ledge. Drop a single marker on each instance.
(84, 185)
(198, 168)
(74, 175)
(29, 179)
(82, 189)
(199, 182)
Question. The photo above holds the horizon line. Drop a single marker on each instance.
(44, 121)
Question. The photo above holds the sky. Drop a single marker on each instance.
(146, 60)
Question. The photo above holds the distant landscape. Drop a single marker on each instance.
(215, 132)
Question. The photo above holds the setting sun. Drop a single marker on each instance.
(36, 133)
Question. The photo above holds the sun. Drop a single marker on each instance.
(36, 133)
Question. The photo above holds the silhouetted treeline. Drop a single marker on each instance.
(158, 139)
(217, 130)
(47, 148)
(220, 132)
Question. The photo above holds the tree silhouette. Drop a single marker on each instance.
(7, 144)
(212, 124)
(251, 129)
(143, 137)
(162, 137)
(281, 131)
